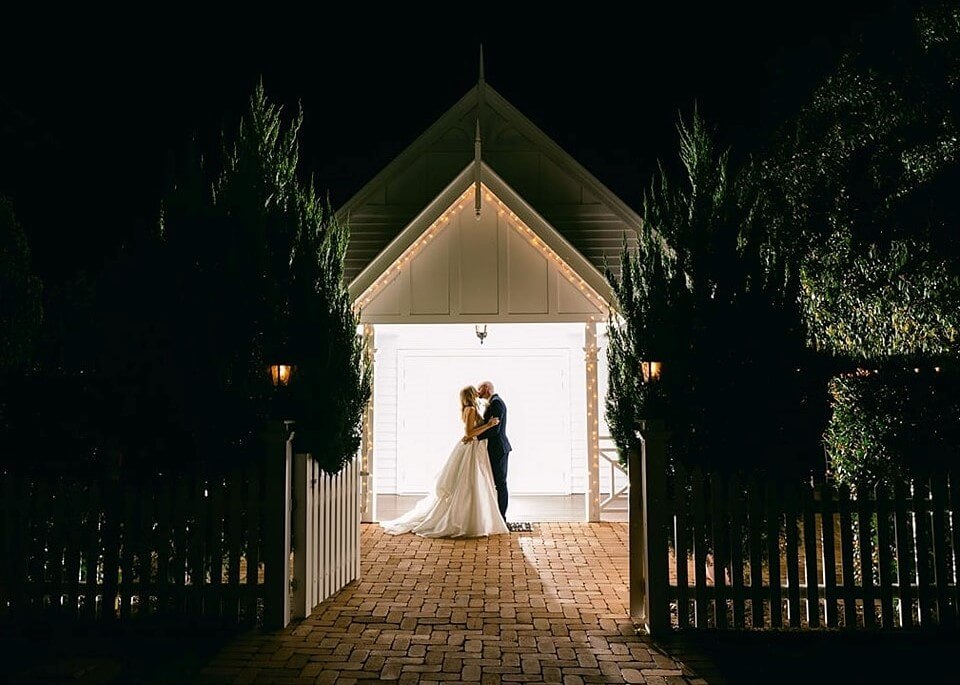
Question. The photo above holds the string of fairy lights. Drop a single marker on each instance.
(593, 424)
(513, 220)
(367, 452)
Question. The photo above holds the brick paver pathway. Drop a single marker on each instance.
(546, 607)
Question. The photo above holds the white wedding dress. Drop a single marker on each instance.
(463, 502)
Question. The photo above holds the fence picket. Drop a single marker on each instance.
(37, 543)
(8, 528)
(755, 501)
(846, 558)
(125, 590)
(810, 572)
(147, 499)
(793, 554)
(111, 549)
(355, 518)
(197, 502)
(316, 556)
(181, 557)
(215, 531)
(92, 553)
(884, 557)
(721, 549)
(165, 542)
(73, 506)
(827, 545)
(699, 540)
(736, 551)
(865, 540)
(58, 543)
(234, 527)
(905, 564)
(338, 521)
(941, 553)
(254, 528)
(682, 545)
(327, 535)
(923, 537)
(773, 500)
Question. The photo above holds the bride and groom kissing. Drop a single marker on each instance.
(469, 497)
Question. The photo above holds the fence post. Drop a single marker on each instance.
(279, 448)
(649, 577)
(298, 516)
(637, 542)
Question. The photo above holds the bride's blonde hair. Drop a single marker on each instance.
(468, 397)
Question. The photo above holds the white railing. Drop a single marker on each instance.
(609, 453)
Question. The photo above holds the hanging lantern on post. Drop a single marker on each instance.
(651, 371)
(280, 374)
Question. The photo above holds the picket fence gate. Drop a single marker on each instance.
(709, 551)
(256, 544)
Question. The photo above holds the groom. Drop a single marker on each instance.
(498, 446)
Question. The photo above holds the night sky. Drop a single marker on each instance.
(93, 110)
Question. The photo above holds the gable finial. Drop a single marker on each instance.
(477, 150)
(481, 63)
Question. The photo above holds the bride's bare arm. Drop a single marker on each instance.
(468, 419)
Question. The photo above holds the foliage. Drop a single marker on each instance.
(867, 179)
(888, 422)
(864, 185)
(245, 271)
(707, 294)
(333, 383)
(21, 309)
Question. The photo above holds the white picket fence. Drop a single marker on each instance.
(258, 543)
(713, 551)
(326, 532)
(315, 544)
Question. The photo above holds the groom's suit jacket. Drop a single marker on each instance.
(496, 437)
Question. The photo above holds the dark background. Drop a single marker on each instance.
(94, 110)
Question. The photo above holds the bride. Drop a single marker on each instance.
(464, 500)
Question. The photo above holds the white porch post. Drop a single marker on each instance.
(593, 426)
(367, 501)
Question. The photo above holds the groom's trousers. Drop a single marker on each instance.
(498, 464)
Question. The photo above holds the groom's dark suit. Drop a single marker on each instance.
(498, 448)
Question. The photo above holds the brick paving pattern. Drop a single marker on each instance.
(543, 607)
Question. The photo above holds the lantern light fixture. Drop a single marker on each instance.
(651, 371)
(280, 374)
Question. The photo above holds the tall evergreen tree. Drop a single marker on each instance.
(706, 294)
(250, 265)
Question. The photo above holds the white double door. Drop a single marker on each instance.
(533, 384)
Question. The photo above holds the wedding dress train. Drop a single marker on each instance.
(463, 502)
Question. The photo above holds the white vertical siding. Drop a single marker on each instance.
(394, 340)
